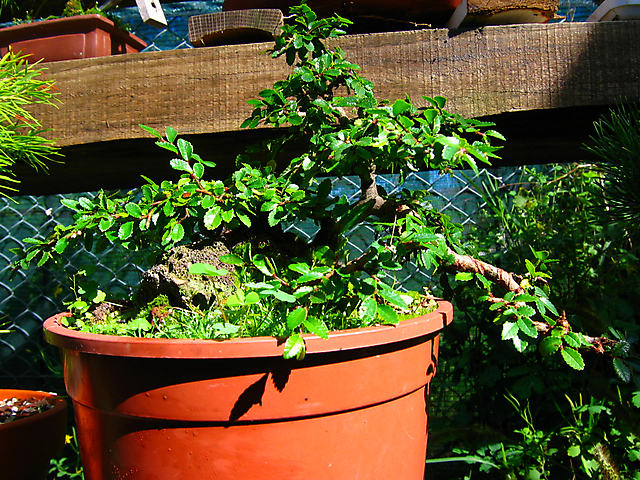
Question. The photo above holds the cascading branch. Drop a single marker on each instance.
(285, 286)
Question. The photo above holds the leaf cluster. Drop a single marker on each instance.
(295, 286)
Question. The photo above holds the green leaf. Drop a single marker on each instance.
(152, 131)
(206, 269)
(393, 297)
(181, 165)
(125, 231)
(526, 311)
(44, 258)
(622, 370)
(549, 345)
(133, 210)
(544, 303)
(261, 263)
(510, 330)
(464, 276)
(493, 133)
(526, 326)
(61, 245)
(400, 106)
(147, 193)
(99, 297)
(573, 450)
(33, 241)
(244, 218)
(212, 219)
(317, 327)
(86, 203)
(524, 297)
(198, 170)
(296, 317)
(185, 148)
(235, 300)
(572, 339)
(573, 358)
(368, 309)
(310, 276)
(177, 232)
(294, 347)
(530, 267)
(284, 296)
(519, 343)
(388, 314)
(300, 267)
(171, 134)
(231, 259)
(440, 101)
(251, 298)
(227, 215)
(70, 204)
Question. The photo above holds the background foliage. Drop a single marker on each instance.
(529, 416)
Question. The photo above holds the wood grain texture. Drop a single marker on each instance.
(483, 72)
(543, 86)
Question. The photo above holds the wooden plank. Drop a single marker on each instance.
(483, 72)
(543, 85)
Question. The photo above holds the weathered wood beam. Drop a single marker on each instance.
(203, 92)
(483, 72)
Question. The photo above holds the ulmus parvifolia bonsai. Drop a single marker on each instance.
(224, 265)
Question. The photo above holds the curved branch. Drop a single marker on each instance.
(465, 263)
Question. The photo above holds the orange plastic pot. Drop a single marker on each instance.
(28, 445)
(354, 408)
(70, 38)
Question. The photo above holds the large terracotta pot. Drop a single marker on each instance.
(82, 36)
(354, 408)
(435, 12)
(28, 445)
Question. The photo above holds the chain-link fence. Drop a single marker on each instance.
(27, 298)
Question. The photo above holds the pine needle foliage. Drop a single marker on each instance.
(617, 143)
(21, 85)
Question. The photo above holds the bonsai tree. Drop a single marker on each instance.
(21, 140)
(223, 263)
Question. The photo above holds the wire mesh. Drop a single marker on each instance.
(27, 298)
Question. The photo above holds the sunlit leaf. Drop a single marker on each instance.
(573, 358)
(294, 347)
(296, 317)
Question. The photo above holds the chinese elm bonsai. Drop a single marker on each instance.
(224, 264)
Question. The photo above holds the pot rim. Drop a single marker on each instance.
(60, 336)
(48, 26)
(58, 403)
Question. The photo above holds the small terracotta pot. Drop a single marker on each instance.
(70, 38)
(355, 407)
(27, 445)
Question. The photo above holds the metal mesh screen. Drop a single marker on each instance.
(176, 34)
(28, 298)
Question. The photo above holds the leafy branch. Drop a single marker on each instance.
(285, 286)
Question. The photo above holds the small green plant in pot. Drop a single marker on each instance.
(224, 268)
